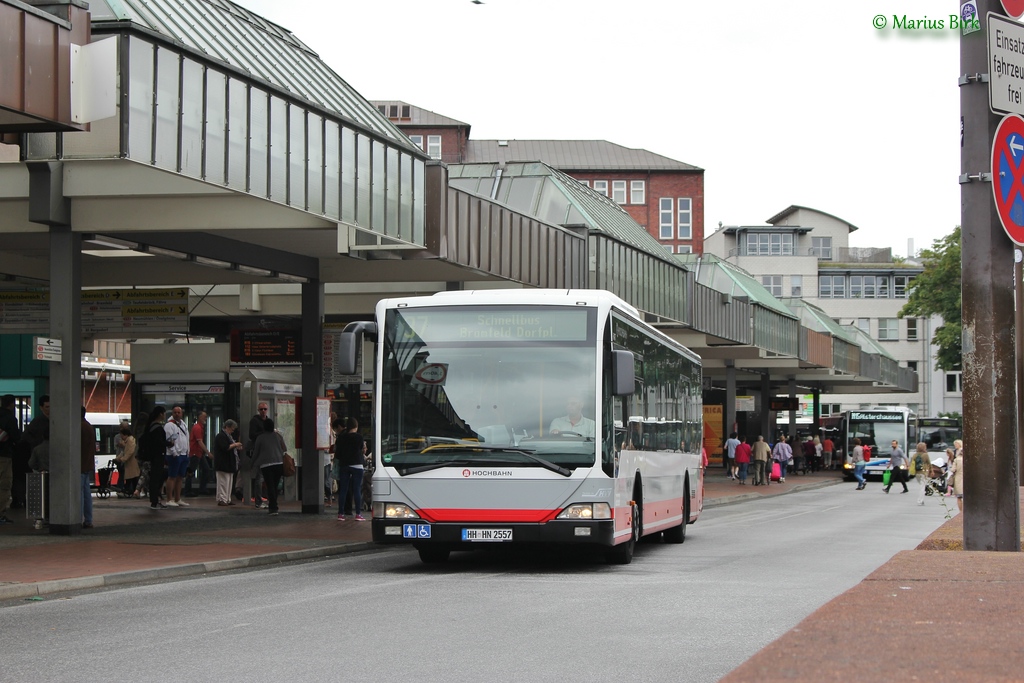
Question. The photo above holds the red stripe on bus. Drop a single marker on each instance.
(437, 515)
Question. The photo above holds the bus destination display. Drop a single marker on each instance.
(512, 325)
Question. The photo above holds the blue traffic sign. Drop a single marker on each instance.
(1008, 175)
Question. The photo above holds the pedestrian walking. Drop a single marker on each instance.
(956, 474)
(898, 467)
(761, 455)
(268, 460)
(827, 448)
(731, 470)
(922, 469)
(782, 454)
(856, 458)
(742, 460)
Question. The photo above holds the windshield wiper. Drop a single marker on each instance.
(433, 466)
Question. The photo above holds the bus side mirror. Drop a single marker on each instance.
(623, 379)
(351, 341)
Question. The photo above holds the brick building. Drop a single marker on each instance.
(663, 195)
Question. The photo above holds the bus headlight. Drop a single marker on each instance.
(586, 511)
(393, 511)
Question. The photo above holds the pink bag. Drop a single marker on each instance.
(776, 471)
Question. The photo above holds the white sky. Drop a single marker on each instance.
(802, 102)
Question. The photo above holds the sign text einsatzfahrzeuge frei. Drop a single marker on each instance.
(1006, 65)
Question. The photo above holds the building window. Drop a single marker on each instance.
(619, 191)
(406, 111)
(769, 244)
(773, 283)
(394, 111)
(911, 329)
(796, 285)
(822, 247)
(684, 249)
(882, 285)
(434, 146)
(954, 383)
(832, 287)
(601, 187)
(869, 287)
(417, 140)
(637, 192)
(668, 247)
(585, 182)
(383, 109)
(685, 218)
(888, 329)
(665, 218)
(831, 409)
(900, 285)
(865, 325)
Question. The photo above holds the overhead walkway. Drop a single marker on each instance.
(237, 163)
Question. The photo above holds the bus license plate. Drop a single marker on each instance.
(487, 535)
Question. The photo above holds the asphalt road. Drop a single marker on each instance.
(746, 574)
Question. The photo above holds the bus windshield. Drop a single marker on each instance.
(504, 386)
(939, 434)
(878, 431)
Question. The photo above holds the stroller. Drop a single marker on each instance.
(103, 479)
(935, 482)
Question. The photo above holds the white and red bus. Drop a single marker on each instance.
(529, 416)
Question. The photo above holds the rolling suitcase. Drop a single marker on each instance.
(776, 471)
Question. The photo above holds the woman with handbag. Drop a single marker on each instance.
(225, 461)
(130, 469)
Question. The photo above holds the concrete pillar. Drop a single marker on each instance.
(792, 411)
(730, 397)
(66, 381)
(766, 402)
(312, 494)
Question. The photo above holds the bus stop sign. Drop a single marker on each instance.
(1008, 175)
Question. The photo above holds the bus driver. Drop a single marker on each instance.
(573, 422)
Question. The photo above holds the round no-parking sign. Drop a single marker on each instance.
(1008, 175)
(1014, 8)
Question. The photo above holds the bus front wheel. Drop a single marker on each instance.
(623, 553)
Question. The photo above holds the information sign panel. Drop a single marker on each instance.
(1005, 65)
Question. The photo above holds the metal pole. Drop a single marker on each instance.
(991, 499)
(1018, 338)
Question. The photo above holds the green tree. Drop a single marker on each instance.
(936, 291)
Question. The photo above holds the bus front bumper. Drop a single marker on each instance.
(472, 534)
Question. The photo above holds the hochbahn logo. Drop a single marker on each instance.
(486, 473)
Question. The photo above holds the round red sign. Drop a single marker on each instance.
(1014, 8)
(1008, 175)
